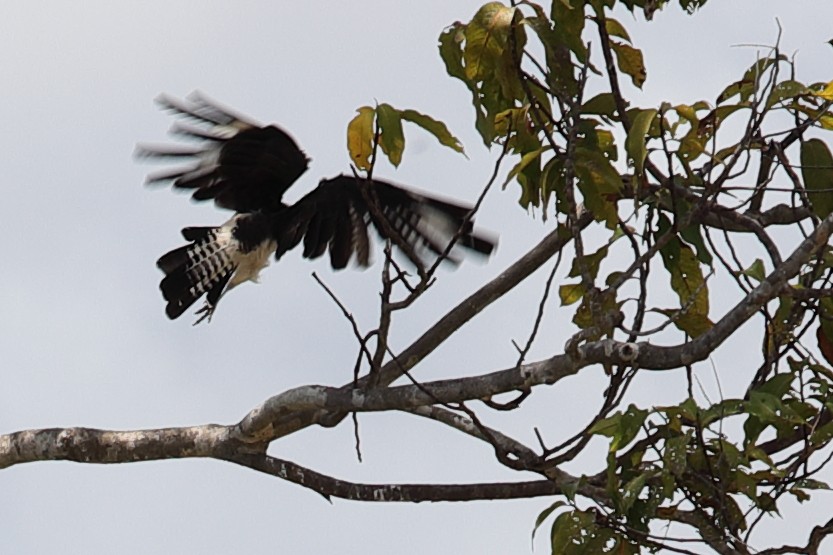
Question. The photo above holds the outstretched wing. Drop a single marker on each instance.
(238, 163)
(335, 217)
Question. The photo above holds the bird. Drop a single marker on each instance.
(247, 167)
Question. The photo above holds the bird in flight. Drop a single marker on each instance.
(245, 167)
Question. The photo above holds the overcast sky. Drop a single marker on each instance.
(84, 340)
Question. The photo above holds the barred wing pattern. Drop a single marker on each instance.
(247, 168)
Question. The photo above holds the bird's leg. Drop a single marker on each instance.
(207, 312)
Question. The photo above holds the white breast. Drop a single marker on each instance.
(250, 264)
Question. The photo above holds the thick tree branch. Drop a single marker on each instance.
(258, 427)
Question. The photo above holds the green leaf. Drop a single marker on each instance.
(615, 29)
(817, 170)
(826, 315)
(602, 104)
(747, 86)
(630, 62)
(692, 323)
(545, 514)
(621, 427)
(391, 140)
(594, 168)
(785, 89)
(598, 181)
(553, 181)
(635, 142)
(686, 276)
(525, 160)
(630, 493)
(570, 532)
(486, 39)
(435, 127)
(756, 271)
(590, 261)
(569, 24)
(360, 137)
(809, 483)
(822, 434)
(451, 50)
(576, 533)
(693, 236)
(674, 456)
(723, 409)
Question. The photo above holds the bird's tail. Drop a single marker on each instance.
(204, 266)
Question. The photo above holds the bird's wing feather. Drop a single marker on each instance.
(239, 164)
(336, 215)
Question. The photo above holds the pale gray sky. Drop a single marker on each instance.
(84, 340)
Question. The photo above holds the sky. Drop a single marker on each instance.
(84, 340)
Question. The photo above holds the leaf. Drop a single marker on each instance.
(615, 29)
(720, 410)
(529, 178)
(687, 112)
(525, 160)
(545, 514)
(630, 62)
(486, 39)
(593, 167)
(825, 344)
(451, 50)
(692, 323)
(570, 293)
(784, 90)
(817, 170)
(630, 493)
(391, 140)
(800, 495)
(826, 315)
(360, 137)
(602, 104)
(756, 271)
(674, 455)
(826, 93)
(635, 142)
(598, 180)
(577, 533)
(809, 483)
(590, 261)
(749, 83)
(686, 276)
(621, 427)
(569, 24)
(694, 237)
(435, 127)
(822, 434)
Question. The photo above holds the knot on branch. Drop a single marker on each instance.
(627, 352)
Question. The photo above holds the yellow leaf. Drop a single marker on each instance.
(486, 39)
(630, 62)
(827, 92)
(360, 137)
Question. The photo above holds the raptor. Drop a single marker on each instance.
(246, 167)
